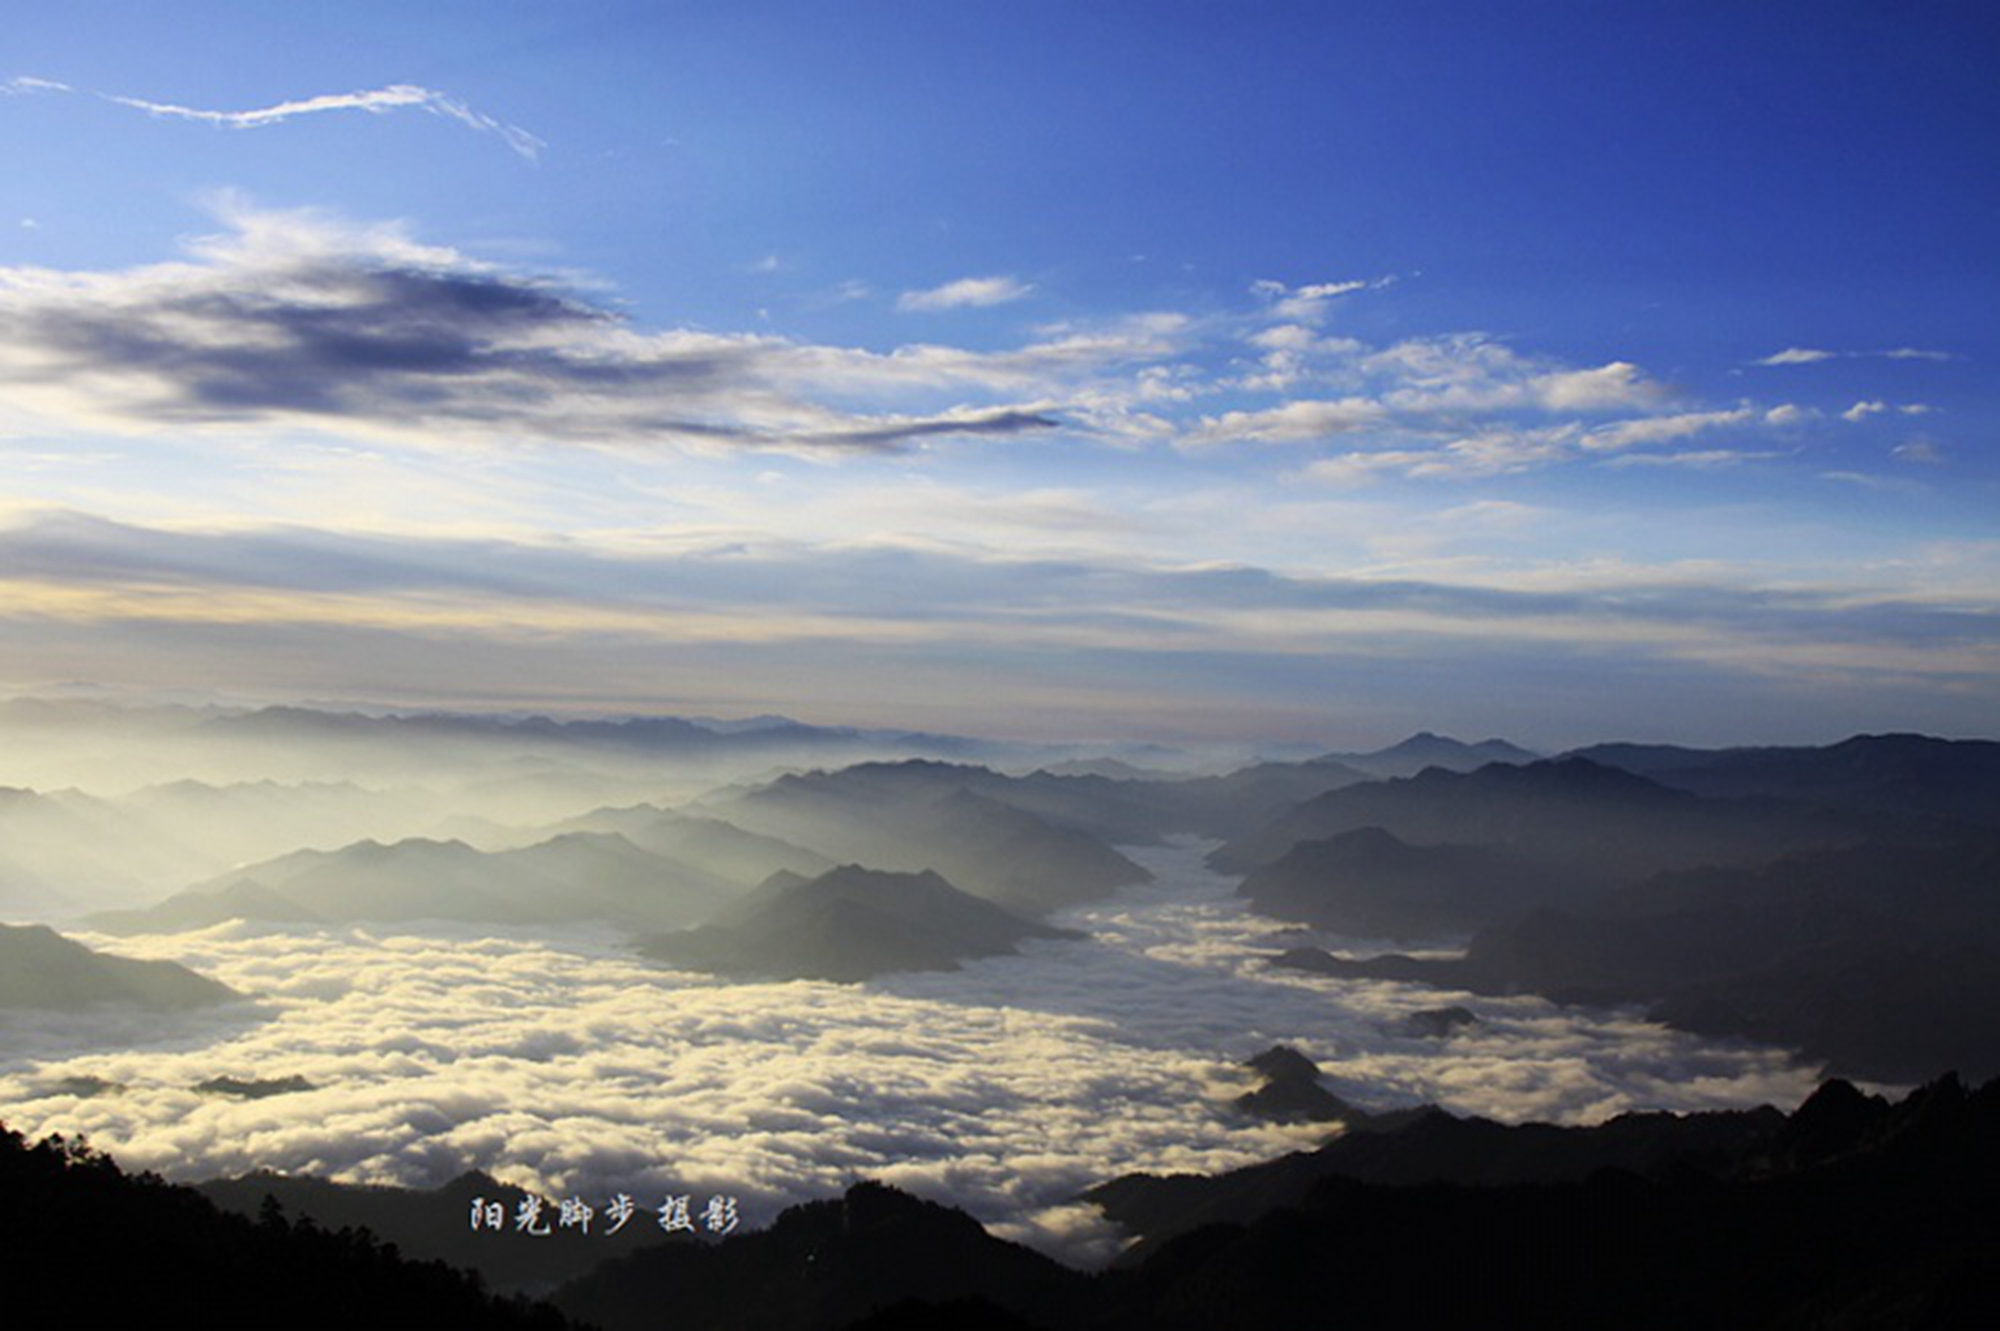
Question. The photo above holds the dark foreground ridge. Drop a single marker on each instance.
(90, 1245)
(1851, 1211)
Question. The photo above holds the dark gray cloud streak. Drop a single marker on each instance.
(315, 326)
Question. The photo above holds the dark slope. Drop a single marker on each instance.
(914, 816)
(1890, 1226)
(39, 968)
(1431, 1146)
(1880, 960)
(1914, 775)
(1570, 813)
(433, 1224)
(1369, 883)
(90, 1246)
(825, 1265)
(848, 924)
(721, 850)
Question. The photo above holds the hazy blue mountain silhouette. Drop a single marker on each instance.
(913, 816)
(1425, 749)
(575, 876)
(850, 923)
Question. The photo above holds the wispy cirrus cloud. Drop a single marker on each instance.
(1816, 355)
(26, 85)
(374, 101)
(1309, 304)
(965, 293)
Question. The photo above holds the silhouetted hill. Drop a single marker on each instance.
(848, 924)
(433, 1224)
(1369, 883)
(721, 850)
(917, 815)
(87, 1244)
(825, 1265)
(1291, 1092)
(576, 876)
(39, 968)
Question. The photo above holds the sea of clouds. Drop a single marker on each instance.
(568, 1065)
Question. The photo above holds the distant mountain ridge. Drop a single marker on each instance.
(1425, 749)
(39, 968)
(1917, 775)
(849, 924)
(574, 876)
(1562, 810)
(917, 815)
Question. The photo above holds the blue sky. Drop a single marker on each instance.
(1269, 372)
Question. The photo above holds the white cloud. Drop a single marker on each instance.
(1862, 410)
(1796, 356)
(1617, 384)
(1663, 429)
(1306, 304)
(1469, 373)
(1918, 450)
(1813, 356)
(1294, 422)
(1870, 481)
(1700, 459)
(965, 292)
